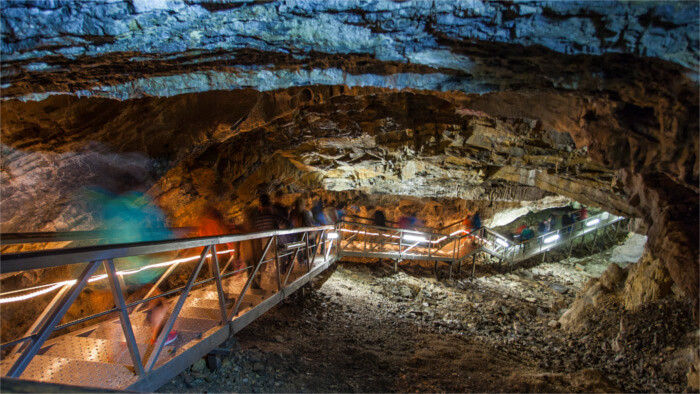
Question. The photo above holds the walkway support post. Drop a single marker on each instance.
(118, 296)
(214, 269)
(160, 342)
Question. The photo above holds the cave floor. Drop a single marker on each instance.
(369, 329)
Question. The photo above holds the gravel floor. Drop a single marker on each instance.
(372, 330)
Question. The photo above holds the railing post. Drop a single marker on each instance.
(214, 269)
(160, 342)
(365, 240)
(308, 261)
(54, 317)
(118, 296)
(277, 264)
(338, 241)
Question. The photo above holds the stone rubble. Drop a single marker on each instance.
(370, 329)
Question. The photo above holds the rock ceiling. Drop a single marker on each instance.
(596, 101)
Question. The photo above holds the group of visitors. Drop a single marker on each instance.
(527, 232)
(472, 222)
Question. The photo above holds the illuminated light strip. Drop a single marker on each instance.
(51, 287)
(396, 236)
(37, 293)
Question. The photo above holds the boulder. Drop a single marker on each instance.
(648, 281)
(613, 278)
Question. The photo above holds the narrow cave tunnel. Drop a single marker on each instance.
(352, 196)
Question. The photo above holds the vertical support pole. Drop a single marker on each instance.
(430, 246)
(277, 264)
(338, 242)
(214, 269)
(316, 246)
(473, 264)
(118, 296)
(571, 246)
(365, 240)
(595, 236)
(54, 317)
(160, 342)
(308, 257)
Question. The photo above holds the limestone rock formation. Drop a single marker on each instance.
(493, 102)
(649, 280)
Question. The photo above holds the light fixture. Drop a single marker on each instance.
(551, 238)
(502, 242)
(414, 238)
(592, 222)
(332, 235)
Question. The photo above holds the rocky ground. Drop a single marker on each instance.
(370, 329)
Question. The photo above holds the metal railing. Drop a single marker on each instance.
(283, 250)
(367, 240)
(306, 241)
(92, 235)
(506, 249)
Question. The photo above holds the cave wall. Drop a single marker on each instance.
(488, 101)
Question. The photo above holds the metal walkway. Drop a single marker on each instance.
(366, 240)
(118, 352)
(114, 349)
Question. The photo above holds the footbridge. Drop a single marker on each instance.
(215, 297)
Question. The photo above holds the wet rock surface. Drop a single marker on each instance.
(370, 329)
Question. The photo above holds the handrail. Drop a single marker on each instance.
(390, 228)
(60, 236)
(104, 255)
(20, 261)
(424, 227)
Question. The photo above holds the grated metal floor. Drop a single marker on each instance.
(99, 357)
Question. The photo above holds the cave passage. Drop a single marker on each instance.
(349, 196)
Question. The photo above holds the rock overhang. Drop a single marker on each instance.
(619, 78)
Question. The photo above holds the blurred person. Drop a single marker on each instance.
(317, 211)
(260, 218)
(379, 219)
(527, 233)
(476, 221)
(281, 210)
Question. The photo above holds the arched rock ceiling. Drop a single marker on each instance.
(486, 100)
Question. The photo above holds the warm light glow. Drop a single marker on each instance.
(551, 238)
(51, 287)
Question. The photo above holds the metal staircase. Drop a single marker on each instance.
(113, 349)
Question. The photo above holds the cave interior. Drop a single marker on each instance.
(128, 116)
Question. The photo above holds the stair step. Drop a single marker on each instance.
(92, 349)
(113, 332)
(63, 370)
